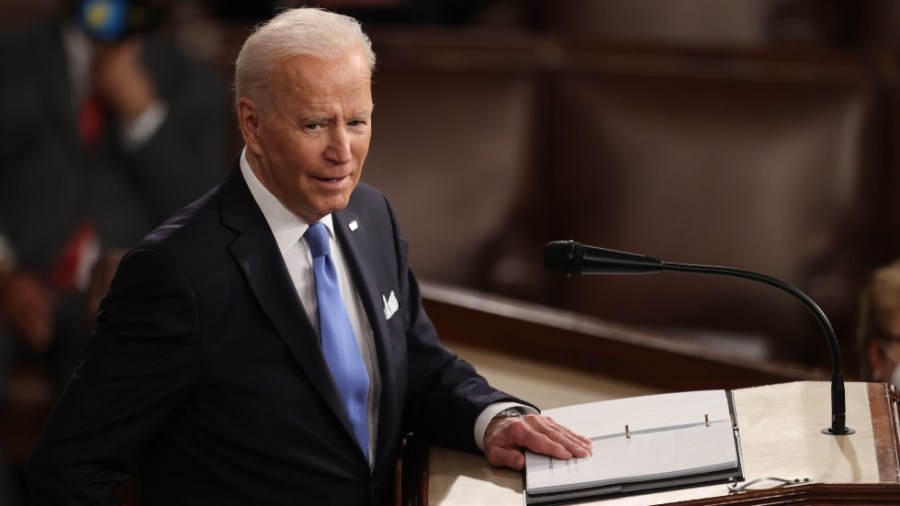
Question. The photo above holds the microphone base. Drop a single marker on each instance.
(838, 431)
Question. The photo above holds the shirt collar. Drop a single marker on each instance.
(286, 226)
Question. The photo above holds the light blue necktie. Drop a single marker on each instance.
(338, 341)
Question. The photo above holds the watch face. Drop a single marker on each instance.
(509, 413)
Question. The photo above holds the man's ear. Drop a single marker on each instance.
(248, 120)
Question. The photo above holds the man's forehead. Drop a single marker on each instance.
(353, 61)
(302, 72)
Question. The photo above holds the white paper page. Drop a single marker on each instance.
(668, 436)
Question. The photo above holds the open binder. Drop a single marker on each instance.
(641, 444)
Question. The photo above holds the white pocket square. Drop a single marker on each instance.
(390, 305)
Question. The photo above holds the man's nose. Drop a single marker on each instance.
(338, 149)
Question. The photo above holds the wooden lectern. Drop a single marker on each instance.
(780, 423)
(781, 437)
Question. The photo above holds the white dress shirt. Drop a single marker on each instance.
(288, 230)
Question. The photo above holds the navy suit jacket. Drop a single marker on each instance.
(207, 376)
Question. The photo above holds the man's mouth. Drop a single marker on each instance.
(331, 179)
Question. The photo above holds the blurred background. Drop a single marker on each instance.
(757, 134)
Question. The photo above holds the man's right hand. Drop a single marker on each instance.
(26, 304)
(506, 438)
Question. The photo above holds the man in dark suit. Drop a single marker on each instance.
(211, 371)
(105, 131)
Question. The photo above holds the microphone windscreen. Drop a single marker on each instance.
(563, 257)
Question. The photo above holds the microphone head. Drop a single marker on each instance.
(564, 257)
(572, 258)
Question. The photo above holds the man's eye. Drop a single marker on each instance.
(313, 126)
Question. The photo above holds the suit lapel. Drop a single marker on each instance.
(351, 232)
(257, 254)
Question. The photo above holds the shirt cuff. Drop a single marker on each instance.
(138, 131)
(481, 423)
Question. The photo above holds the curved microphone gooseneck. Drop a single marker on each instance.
(572, 258)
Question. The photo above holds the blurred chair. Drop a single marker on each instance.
(740, 160)
(706, 23)
(452, 148)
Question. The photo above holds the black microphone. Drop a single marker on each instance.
(572, 258)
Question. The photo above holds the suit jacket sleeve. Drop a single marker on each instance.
(140, 363)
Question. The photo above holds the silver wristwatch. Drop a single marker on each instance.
(512, 412)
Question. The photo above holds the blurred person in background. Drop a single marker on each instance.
(878, 331)
(105, 129)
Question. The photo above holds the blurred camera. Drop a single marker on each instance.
(115, 20)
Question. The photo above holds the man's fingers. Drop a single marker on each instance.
(504, 457)
(506, 440)
(547, 444)
(585, 441)
(579, 446)
(564, 444)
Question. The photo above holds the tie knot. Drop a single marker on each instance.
(317, 239)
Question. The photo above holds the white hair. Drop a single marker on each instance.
(302, 31)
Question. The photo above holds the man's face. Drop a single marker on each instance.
(309, 146)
